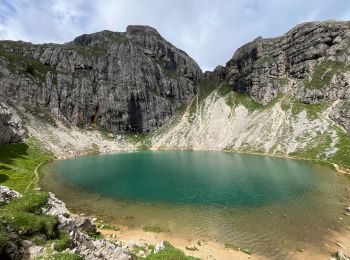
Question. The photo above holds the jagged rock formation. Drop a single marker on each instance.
(286, 95)
(290, 97)
(11, 128)
(312, 60)
(122, 82)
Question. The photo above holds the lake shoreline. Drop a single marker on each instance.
(130, 234)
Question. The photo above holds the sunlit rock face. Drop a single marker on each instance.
(132, 81)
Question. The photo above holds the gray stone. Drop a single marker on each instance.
(11, 129)
(342, 256)
(159, 247)
(7, 194)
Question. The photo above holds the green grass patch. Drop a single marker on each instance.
(205, 89)
(169, 253)
(323, 73)
(154, 229)
(18, 163)
(25, 217)
(3, 241)
(316, 149)
(312, 110)
(237, 248)
(59, 256)
(63, 242)
(342, 156)
(143, 141)
(245, 100)
(224, 90)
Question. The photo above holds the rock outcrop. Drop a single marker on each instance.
(7, 194)
(78, 229)
(312, 60)
(11, 128)
(132, 81)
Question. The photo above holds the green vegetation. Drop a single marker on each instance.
(86, 51)
(323, 73)
(224, 90)
(316, 149)
(169, 253)
(18, 163)
(154, 229)
(25, 217)
(63, 242)
(237, 248)
(312, 110)
(205, 89)
(342, 157)
(3, 241)
(59, 256)
(142, 141)
(32, 68)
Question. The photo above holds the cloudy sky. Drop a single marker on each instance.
(208, 30)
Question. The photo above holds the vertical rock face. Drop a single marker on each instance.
(11, 129)
(311, 59)
(132, 81)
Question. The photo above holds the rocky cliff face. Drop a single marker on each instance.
(132, 81)
(287, 95)
(312, 60)
(11, 128)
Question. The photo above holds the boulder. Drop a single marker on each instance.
(7, 194)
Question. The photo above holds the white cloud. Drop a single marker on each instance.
(209, 31)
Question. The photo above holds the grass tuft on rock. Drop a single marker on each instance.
(63, 242)
(169, 253)
(25, 217)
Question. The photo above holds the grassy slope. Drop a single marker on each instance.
(18, 163)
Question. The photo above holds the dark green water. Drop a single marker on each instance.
(268, 204)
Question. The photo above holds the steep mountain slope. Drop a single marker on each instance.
(120, 82)
(288, 96)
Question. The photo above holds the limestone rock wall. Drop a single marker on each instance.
(132, 81)
(315, 56)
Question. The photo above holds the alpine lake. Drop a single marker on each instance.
(269, 205)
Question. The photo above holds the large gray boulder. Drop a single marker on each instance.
(7, 194)
(11, 129)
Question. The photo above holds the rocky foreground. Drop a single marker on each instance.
(79, 230)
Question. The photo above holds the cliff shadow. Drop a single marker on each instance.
(9, 153)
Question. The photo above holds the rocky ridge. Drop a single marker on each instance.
(287, 95)
(132, 81)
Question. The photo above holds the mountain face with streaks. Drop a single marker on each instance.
(132, 81)
(106, 91)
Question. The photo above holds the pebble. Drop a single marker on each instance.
(94, 219)
(340, 218)
(338, 244)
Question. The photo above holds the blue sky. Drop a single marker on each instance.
(208, 30)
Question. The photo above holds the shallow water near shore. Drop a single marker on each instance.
(273, 206)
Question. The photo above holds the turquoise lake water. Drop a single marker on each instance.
(269, 204)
